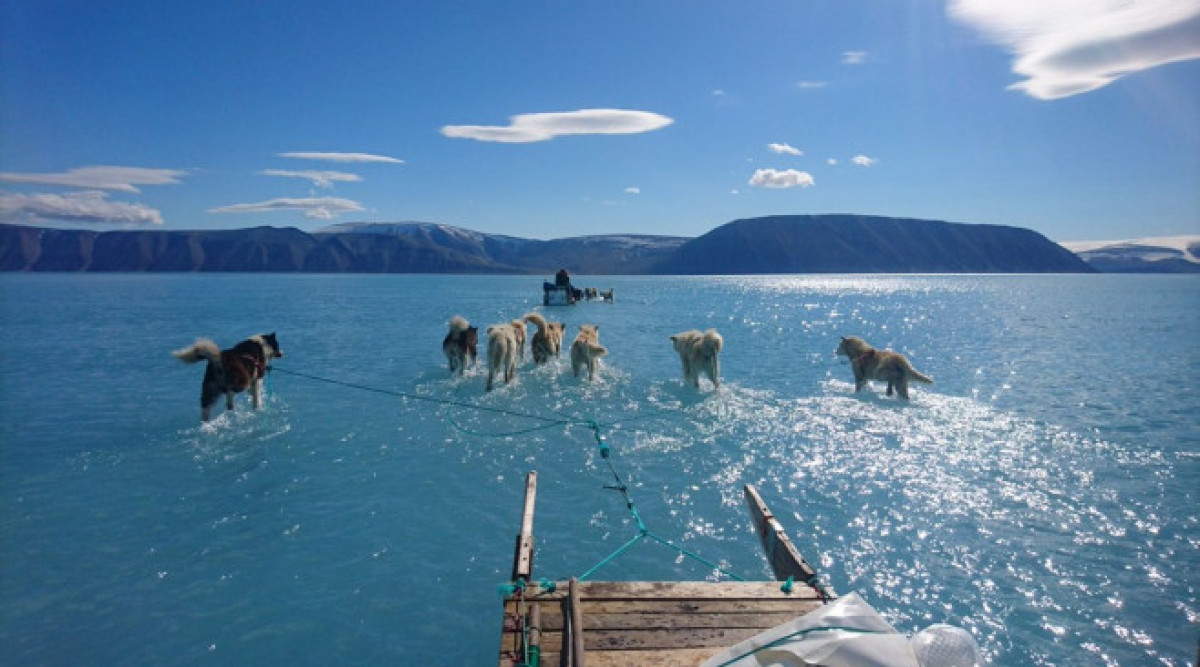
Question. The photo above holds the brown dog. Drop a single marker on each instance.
(869, 363)
(461, 345)
(546, 342)
(231, 371)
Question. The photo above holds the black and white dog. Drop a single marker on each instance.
(231, 371)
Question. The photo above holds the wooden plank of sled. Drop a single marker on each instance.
(634, 615)
(692, 590)
(785, 560)
(523, 556)
(576, 647)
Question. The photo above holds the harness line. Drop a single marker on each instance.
(605, 453)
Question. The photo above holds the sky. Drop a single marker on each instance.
(1079, 119)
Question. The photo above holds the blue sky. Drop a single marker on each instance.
(1076, 118)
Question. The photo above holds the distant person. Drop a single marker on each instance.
(562, 278)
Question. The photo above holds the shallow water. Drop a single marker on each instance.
(1042, 493)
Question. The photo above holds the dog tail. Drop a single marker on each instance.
(914, 374)
(538, 321)
(597, 350)
(203, 348)
(458, 324)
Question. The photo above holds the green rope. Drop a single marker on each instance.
(417, 397)
(643, 531)
(562, 420)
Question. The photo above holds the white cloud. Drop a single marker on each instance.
(89, 206)
(790, 178)
(532, 127)
(810, 85)
(324, 208)
(854, 57)
(1068, 47)
(320, 179)
(831, 162)
(863, 161)
(100, 178)
(341, 157)
(784, 149)
(633, 191)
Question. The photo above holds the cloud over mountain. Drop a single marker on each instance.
(90, 206)
(324, 208)
(788, 178)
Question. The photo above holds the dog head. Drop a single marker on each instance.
(850, 346)
(270, 345)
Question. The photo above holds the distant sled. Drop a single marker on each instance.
(559, 295)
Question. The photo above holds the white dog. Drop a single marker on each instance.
(699, 351)
(587, 350)
(502, 353)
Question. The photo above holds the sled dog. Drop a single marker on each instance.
(231, 371)
(699, 351)
(869, 363)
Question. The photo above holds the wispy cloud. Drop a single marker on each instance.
(784, 149)
(810, 85)
(789, 178)
(864, 161)
(527, 128)
(1068, 47)
(320, 179)
(124, 179)
(854, 57)
(633, 191)
(324, 208)
(89, 206)
(341, 157)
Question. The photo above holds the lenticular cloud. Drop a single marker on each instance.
(531, 127)
(1068, 47)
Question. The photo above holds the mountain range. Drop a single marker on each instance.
(776, 244)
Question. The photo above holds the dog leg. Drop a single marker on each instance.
(256, 393)
(889, 389)
(229, 400)
(205, 413)
(902, 388)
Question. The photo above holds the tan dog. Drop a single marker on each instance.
(546, 342)
(502, 353)
(883, 365)
(587, 350)
(700, 353)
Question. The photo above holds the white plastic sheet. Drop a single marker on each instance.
(845, 633)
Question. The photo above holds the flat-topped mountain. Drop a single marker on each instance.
(868, 244)
(777, 244)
